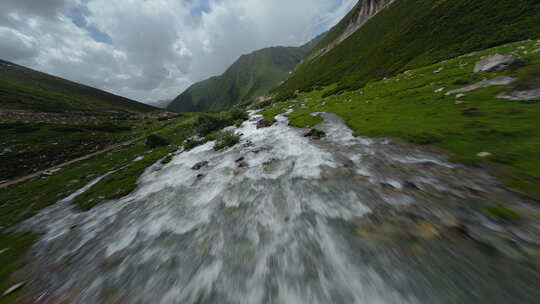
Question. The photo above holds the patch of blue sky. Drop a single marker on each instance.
(78, 17)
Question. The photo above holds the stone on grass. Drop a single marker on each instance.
(497, 63)
(13, 288)
(497, 81)
(484, 154)
(528, 96)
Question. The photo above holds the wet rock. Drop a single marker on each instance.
(270, 165)
(500, 242)
(264, 124)
(497, 63)
(335, 173)
(410, 185)
(529, 96)
(261, 149)
(114, 260)
(200, 165)
(200, 176)
(425, 230)
(315, 133)
(14, 288)
(240, 159)
(243, 164)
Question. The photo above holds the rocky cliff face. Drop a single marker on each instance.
(364, 10)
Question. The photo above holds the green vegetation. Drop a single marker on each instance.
(15, 245)
(154, 141)
(411, 34)
(22, 201)
(528, 81)
(33, 146)
(25, 89)
(408, 107)
(501, 212)
(224, 139)
(250, 76)
(316, 133)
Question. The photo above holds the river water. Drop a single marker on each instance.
(281, 218)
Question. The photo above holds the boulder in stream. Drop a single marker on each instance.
(264, 124)
(199, 165)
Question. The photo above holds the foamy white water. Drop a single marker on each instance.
(271, 220)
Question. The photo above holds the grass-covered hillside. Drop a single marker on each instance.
(477, 128)
(250, 76)
(413, 33)
(26, 89)
(46, 120)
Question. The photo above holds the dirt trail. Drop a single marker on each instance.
(37, 174)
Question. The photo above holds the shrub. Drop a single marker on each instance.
(529, 81)
(315, 133)
(154, 141)
(224, 139)
(189, 144)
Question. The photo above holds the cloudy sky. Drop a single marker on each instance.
(153, 49)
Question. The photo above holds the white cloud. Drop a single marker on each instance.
(159, 47)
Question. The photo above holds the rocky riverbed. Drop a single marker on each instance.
(284, 218)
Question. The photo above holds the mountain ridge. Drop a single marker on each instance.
(250, 76)
(23, 88)
(427, 33)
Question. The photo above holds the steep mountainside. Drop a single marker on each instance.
(360, 14)
(250, 76)
(411, 33)
(22, 88)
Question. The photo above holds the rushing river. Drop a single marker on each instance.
(281, 218)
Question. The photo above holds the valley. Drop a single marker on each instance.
(392, 159)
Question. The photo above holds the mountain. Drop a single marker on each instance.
(22, 88)
(250, 76)
(380, 38)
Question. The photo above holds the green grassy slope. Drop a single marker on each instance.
(410, 107)
(26, 89)
(250, 76)
(413, 33)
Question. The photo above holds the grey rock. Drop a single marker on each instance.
(496, 63)
(200, 165)
(497, 81)
(528, 96)
(264, 124)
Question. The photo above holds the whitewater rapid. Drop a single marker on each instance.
(272, 220)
